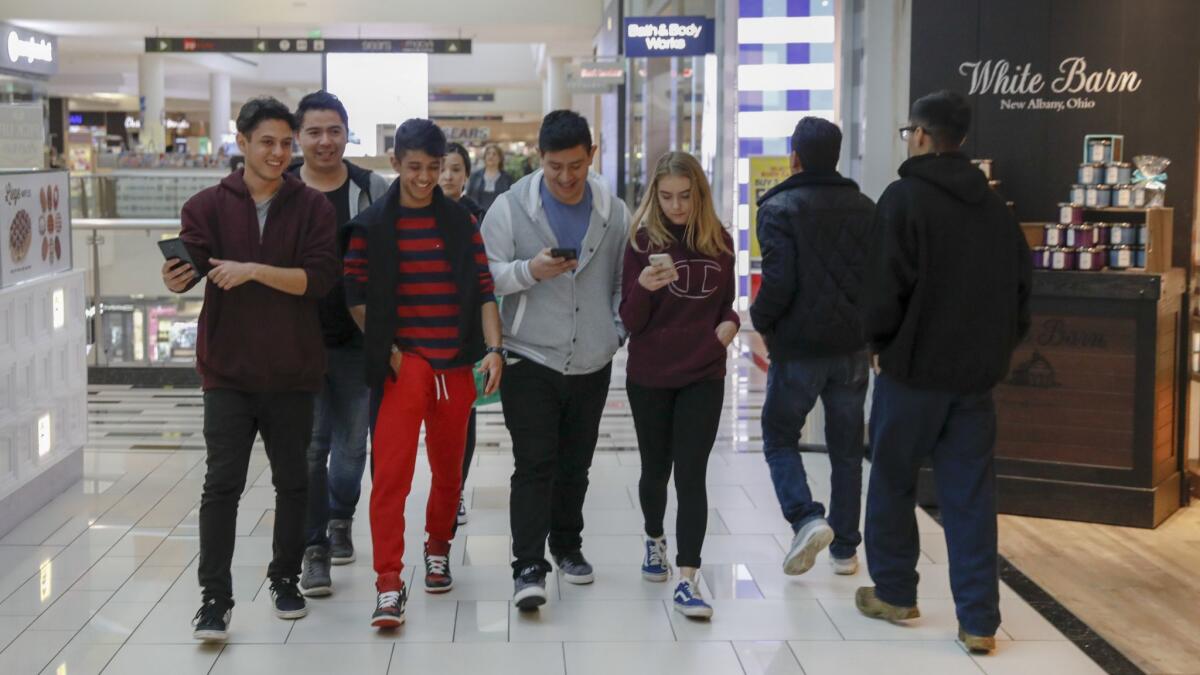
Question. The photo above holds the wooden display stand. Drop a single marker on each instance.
(1088, 419)
(1159, 222)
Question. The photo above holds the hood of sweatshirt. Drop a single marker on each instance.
(953, 172)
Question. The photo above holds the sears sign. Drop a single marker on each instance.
(651, 36)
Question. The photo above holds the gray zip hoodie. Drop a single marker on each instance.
(571, 323)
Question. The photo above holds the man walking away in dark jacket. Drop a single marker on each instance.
(945, 302)
(813, 230)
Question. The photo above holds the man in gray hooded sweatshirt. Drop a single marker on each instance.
(555, 244)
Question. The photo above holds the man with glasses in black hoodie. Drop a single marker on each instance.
(945, 302)
(337, 455)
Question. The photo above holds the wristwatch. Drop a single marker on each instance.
(498, 350)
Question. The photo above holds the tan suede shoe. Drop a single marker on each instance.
(977, 644)
(871, 606)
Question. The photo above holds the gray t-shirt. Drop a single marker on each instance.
(262, 208)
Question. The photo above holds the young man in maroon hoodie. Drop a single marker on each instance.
(265, 242)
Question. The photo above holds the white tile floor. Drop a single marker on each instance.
(103, 579)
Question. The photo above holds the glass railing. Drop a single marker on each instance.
(132, 319)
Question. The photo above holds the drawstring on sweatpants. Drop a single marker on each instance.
(440, 387)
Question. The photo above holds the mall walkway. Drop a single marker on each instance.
(104, 578)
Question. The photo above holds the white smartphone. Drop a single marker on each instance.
(661, 261)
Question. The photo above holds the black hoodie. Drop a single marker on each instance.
(813, 230)
(946, 291)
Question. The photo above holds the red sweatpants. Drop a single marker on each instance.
(442, 400)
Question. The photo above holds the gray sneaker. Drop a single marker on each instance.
(575, 568)
(814, 537)
(529, 588)
(314, 573)
(341, 547)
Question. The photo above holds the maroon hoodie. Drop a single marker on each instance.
(255, 338)
(672, 331)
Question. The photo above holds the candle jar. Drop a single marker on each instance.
(1064, 258)
(1100, 150)
(1098, 196)
(1070, 214)
(1121, 257)
(1078, 193)
(1091, 174)
(1092, 259)
(1056, 235)
(1118, 173)
(1082, 236)
(1123, 234)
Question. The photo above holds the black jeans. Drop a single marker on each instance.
(677, 428)
(232, 419)
(554, 421)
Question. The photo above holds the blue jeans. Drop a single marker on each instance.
(793, 388)
(337, 455)
(958, 432)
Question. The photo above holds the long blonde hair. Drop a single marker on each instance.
(704, 233)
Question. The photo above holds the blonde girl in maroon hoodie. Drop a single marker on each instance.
(677, 301)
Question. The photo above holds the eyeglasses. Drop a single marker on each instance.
(907, 132)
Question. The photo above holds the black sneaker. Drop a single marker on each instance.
(437, 573)
(462, 511)
(529, 588)
(341, 547)
(211, 623)
(314, 573)
(389, 609)
(285, 595)
(575, 568)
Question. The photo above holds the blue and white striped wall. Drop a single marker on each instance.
(785, 71)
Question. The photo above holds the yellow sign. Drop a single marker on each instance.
(765, 173)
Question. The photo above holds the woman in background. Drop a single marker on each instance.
(492, 182)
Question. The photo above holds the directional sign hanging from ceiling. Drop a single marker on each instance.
(190, 45)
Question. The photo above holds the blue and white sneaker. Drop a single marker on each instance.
(688, 601)
(654, 565)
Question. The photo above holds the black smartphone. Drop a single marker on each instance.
(567, 253)
(173, 249)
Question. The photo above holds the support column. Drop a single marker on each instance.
(554, 89)
(152, 94)
(218, 114)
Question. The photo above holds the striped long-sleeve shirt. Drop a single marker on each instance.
(426, 295)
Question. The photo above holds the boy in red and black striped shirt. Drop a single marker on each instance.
(417, 281)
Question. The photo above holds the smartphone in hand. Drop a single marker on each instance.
(173, 249)
(565, 253)
(661, 261)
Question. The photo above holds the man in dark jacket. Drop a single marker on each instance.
(945, 302)
(813, 231)
(265, 242)
(337, 455)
